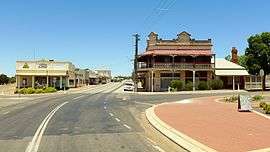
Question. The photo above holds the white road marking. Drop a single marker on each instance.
(158, 148)
(78, 97)
(34, 144)
(5, 113)
(127, 126)
(111, 114)
(118, 120)
(144, 103)
(151, 141)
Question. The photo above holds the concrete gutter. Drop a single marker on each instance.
(176, 136)
(191, 92)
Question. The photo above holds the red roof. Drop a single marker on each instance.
(179, 52)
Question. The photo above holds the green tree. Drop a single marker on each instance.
(228, 58)
(258, 54)
(11, 80)
(241, 60)
(3, 79)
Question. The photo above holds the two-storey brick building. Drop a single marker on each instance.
(182, 58)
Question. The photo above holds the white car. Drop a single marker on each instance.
(128, 86)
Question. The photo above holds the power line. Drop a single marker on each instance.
(161, 13)
(154, 11)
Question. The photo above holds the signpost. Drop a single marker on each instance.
(262, 74)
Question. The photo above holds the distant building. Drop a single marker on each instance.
(82, 77)
(104, 76)
(45, 73)
(93, 77)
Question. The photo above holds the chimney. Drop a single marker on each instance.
(234, 55)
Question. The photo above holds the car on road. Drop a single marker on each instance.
(128, 86)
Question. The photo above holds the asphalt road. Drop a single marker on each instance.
(97, 120)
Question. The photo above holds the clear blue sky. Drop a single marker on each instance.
(99, 33)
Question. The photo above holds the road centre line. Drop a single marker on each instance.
(34, 144)
(5, 113)
(127, 126)
(158, 148)
(144, 103)
(78, 97)
(118, 120)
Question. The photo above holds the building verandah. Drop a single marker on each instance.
(156, 80)
(25, 81)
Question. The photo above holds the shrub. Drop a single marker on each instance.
(215, 84)
(30, 91)
(231, 99)
(203, 85)
(262, 104)
(38, 91)
(265, 106)
(189, 86)
(267, 109)
(257, 97)
(177, 84)
(22, 91)
(49, 90)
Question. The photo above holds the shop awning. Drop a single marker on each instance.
(231, 72)
(227, 68)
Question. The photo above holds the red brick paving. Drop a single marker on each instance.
(218, 125)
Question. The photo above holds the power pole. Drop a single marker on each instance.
(136, 62)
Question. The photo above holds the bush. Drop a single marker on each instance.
(215, 84)
(203, 85)
(267, 109)
(265, 106)
(49, 90)
(231, 99)
(177, 84)
(38, 91)
(30, 90)
(26, 91)
(189, 86)
(262, 104)
(257, 97)
(22, 91)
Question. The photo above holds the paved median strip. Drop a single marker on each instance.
(34, 144)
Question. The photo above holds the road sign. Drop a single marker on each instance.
(244, 103)
(261, 73)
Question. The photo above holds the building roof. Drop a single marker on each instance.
(227, 68)
(179, 52)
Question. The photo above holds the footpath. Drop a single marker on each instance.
(204, 124)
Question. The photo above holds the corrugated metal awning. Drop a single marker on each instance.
(231, 72)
